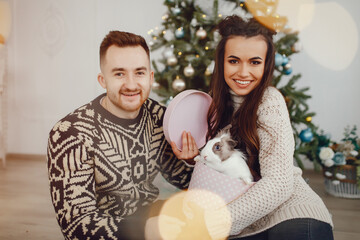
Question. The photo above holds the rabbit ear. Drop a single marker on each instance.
(225, 130)
(229, 141)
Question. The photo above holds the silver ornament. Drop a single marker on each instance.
(178, 84)
(194, 22)
(155, 85)
(172, 60)
(168, 52)
(287, 66)
(189, 70)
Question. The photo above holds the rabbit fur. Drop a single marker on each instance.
(220, 154)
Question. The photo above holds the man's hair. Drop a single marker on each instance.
(122, 39)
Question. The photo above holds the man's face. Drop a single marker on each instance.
(127, 78)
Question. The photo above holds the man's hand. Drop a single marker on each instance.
(189, 148)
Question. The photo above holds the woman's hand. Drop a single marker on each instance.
(189, 149)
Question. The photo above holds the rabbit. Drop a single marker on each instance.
(220, 154)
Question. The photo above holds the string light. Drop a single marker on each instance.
(206, 48)
(220, 15)
(204, 16)
(179, 53)
(197, 56)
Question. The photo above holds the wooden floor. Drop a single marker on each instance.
(26, 211)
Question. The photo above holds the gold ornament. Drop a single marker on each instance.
(308, 119)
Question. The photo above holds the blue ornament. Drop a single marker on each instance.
(288, 71)
(278, 59)
(306, 135)
(179, 33)
(285, 61)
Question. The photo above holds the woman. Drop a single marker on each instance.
(280, 205)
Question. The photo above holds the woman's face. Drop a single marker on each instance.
(244, 63)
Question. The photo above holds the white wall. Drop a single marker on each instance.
(53, 64)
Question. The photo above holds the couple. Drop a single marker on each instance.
(104, 156)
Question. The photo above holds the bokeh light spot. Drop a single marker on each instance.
(332, 37)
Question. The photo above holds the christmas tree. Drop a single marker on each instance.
(188, 39)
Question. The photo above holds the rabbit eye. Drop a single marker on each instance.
(217, 147)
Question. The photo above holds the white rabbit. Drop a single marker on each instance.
(219, 153)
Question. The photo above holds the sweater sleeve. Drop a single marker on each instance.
(276, 163)
(72, 185)
(175, 171)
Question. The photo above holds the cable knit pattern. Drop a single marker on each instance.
(281, 193)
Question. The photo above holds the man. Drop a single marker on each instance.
(104, 156)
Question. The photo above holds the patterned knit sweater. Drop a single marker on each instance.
(281, 193)
(101, 168)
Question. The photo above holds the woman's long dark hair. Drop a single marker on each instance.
(221, 112)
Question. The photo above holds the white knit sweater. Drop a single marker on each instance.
(281, 193)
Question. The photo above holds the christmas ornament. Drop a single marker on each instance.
(308, 119)
(288, 71)
(172, 60)
(165, 17)
(180, 33)
(155, 85)
(194, 22)
(285, 60)
(306, 135)
(201, 33)
(176, 10)
(178, 84)
(189, 71)
(168, 52)
(217, 36)
(278, 59)
(287, 66)
(208, 72)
